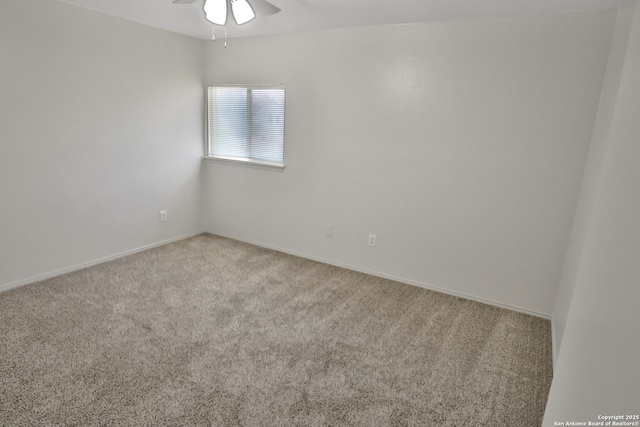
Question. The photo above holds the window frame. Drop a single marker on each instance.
(243, 161)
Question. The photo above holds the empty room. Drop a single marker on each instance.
(319, 213)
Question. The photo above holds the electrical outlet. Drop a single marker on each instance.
(372, 240)
(163, 216)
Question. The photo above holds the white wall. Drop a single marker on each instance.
(100, 128)
(461, 145)
(592, 173)
(598, 368)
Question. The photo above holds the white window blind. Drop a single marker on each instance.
(246, 123)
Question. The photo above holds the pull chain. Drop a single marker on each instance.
(225, 35)
(213, 32)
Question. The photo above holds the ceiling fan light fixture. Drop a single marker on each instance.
(216, 11)
(242, 11)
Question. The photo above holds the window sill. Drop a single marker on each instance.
(246, 163)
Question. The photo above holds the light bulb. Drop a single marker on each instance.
(242, 11)
(216, 11)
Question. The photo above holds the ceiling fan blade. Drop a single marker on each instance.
(184, 1)
(264, 8)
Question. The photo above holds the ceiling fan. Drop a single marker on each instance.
(216, 10)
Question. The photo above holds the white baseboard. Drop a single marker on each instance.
(45, 276)
(60, 272)
(554, 343)
(386, 276)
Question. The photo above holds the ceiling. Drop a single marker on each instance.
(311, 15)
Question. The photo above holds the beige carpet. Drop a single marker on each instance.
(213, 332)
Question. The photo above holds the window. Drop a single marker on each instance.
(246, 124)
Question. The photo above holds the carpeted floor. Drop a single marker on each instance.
(212, 332)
